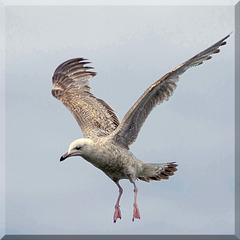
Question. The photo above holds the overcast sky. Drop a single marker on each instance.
(130, 48)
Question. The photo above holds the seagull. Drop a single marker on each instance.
(106, 140)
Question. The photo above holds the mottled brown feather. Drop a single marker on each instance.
(161, 172)
(161, 90)
(94, 116)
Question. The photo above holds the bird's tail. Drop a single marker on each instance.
(157, 171)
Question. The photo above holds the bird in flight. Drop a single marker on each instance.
(106, 140)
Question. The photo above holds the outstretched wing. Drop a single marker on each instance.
(70, 81)
(161, 90)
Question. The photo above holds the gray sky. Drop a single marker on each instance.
(130, 48)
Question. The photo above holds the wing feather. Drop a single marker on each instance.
(94, 116)
(161, 90)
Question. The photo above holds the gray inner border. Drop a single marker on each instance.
(237, 120)
(119, 237)
(237, 177)
(2, 119)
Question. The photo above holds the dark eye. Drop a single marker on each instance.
(78, 147)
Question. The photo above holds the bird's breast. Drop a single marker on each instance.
(111, 159)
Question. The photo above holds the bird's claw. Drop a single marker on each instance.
(117, 214)
(136, 213)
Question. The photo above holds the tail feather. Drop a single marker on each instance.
(157, 171)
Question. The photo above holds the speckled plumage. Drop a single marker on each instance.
(106, 141)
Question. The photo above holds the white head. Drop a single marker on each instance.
(79, 147)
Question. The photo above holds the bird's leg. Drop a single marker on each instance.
(136, 213)
(117, 213)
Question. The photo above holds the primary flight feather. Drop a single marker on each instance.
(106, 141)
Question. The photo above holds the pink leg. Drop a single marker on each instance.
(136, 213)
(117, 213)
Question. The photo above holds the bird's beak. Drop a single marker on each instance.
(64, 156)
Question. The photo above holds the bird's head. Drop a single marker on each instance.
(80, 147)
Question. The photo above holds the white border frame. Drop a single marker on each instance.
(9, 3)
